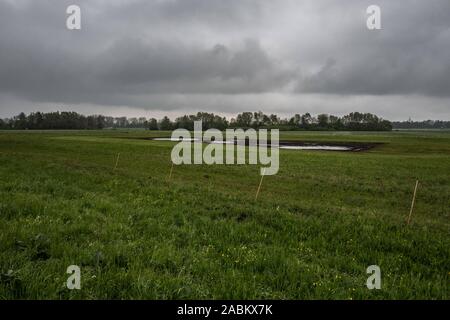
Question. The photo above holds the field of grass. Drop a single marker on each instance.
(316, 227)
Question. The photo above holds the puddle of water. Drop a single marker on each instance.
(293, 147)
(329, 148)
(221, 142)
(285, 145)
(175, 140)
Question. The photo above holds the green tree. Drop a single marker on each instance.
(165, 124)
(323, 120)
(152, 124)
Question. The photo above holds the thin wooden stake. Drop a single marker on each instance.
(412, 203)
(260, 183)
(170, 174)
(117, 161)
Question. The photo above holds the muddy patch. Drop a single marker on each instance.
(291, 144)
(328, 146)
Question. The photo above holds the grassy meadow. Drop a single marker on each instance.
(316, 227)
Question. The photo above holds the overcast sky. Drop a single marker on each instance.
(158, 57)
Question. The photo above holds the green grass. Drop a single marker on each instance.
(314, 230)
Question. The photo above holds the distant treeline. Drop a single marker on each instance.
(354, 121)
(428, 124)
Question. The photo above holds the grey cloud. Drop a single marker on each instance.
(408, 56)
(130, 52)
(173, 68)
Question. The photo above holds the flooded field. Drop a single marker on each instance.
(289, 145)
(68, 197)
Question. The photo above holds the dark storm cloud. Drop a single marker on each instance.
(182, 53)
(41, 63)
(168, 67)
(409, 56)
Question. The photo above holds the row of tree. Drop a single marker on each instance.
(427, 124)
(352, 121)
(73, 120)
(53, 120)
